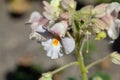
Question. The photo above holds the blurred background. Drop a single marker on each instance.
(24, 59)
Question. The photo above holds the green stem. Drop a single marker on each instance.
(82, 66)
(79, 49)
(64, 67)
(96, 62)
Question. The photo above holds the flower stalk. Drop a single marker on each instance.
(97, 62)
(64, 67)
(79, 49)
(82, 66)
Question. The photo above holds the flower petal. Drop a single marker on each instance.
(34, 16)
(54, 55)
(99, 10)
(68, 4)
(68, 44)
(112, 33)
(114, 7)
(47, 15)
(59, 28)
(40, 29)
(49, 54)
(53, 51)
(37, 37)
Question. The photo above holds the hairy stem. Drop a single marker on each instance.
(64, 67)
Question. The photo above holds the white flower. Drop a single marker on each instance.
(59, 28)
(53, 48)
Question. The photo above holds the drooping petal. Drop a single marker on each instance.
(113, 9)
(68, 44)
(112, 33)
(59, 28)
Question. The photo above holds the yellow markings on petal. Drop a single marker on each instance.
(55, 42)
(100, 35)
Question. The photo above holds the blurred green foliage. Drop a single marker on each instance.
(88, 49)
(71, 78)
(100, 76)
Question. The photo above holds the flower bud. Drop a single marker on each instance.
(46, 76)
(115, 58)
(100, 35)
